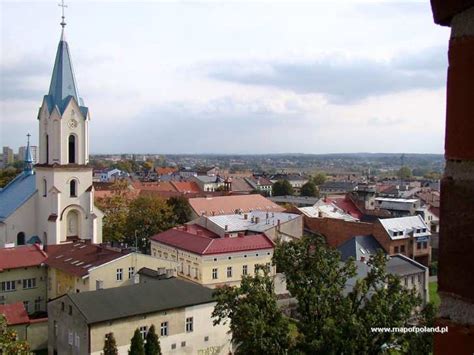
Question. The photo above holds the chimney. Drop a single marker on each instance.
(226, 227)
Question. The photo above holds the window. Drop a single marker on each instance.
(20, 238)
(183, 344)
(418, 245)
(37, 304)
(119, 275)
(72, 149)
(143, 331)
(131, 272)
(406, 281)
(77, 341)
(45, 188)
(402, 249)
(173, 346)
(164, 329)
(418, 230)
(412, 279)
(62, 306)
(47, 149)
(70, 338)
(189, 324)
(425, 245)
(8, 286)
(70, 310)
(255, 268)
(73, 188)
(269, 266)
(29, 283)
(26, 304)
(99, 284)
(229, 271)
(206, 338)
(214, 274)
(244, 269)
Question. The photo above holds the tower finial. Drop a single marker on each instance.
(62, 5)
(28, 162)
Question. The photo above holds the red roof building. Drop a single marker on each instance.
(15, 313)
(21, 257)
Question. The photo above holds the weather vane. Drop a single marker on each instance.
(62, 5)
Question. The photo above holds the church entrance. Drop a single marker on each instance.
(72, 224)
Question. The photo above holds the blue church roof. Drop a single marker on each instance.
(16, 193)
(63, 85)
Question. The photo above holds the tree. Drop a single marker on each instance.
(282, 188)
(136, 344)
(7, 175)
(257, 324)
(334, 318)
(110, 345)
(309, 189)
(404, 173)
(147, 216)
(319, 179)
(152, 345)
(9, 344)
(181, 209)
(115, 208)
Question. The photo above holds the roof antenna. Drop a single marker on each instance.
(62, 5)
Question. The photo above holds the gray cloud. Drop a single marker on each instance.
(342, 80)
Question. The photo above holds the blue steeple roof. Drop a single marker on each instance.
(28, 168)
(63, 85)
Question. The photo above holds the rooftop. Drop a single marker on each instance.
(358, 247)
(16, 193)
(21, 256)
(402, 226)
(15, 313)
(78, 258)
(139, 299)
(232, 204)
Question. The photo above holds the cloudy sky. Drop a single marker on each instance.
(234, 77)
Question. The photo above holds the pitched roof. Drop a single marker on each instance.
(186, 186)
(16, 193)
(347, 206)
(198, 240)
(165, 170)
(128, 301)
(359, 246)
(231, 204)
(402, 265)
(241, 185)
(78, 258)
(405, 225)
(15, 313)
(21, 256)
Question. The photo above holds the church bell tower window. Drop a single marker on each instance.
(72, 149)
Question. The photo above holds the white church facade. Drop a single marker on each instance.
(53, 202)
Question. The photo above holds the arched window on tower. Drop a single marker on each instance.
(72, 149)
(20, 238)
(45, 188)
(47, 149)
(73, 188)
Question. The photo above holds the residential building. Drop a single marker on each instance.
(275, 225)
(81, 267)
(109, 175)
(54, 200)
(296, 180)
(299, 201)
(326, 209)
(32, 330)
(33, 150)
(7, 156)
(208, 183)
(398, 207)
(210, 206)
(181, 312)
(337, 187)
(260, 184)
(23, 277)
(209, 259)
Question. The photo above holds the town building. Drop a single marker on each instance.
(7, 156)
(337, 187)
(296, 180)
(209, 259)
(81, 267)
(181, 312)
(23, 277)
(326, 209)
(54, 201)
(210, 206)
(260, 184)
(208, 183)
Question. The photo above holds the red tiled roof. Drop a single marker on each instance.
(347, 206)
(201, 241)
(15, 313)
(154, 186)
(165, 170)
(21, 256)
(186, 186)
(229, 204)
(434, 210)
(78, 258)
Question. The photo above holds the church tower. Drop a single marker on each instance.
(66, 210)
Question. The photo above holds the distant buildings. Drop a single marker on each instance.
(33, 150)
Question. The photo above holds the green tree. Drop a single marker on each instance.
(432, 175)
(309, 189)
(7, 175)
(124, 165)
(319, 179)
(422, 343)
(9, 343)
(115, 208)
(332, 318)
(257, 324)
(282, 188)
(110, 345)
(136, 345)
(404, 173)
(152, 344)
(181, 209)
(147, 216)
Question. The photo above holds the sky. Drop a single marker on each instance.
(245, 77)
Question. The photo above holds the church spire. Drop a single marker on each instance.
(63, 83)
(28, 168)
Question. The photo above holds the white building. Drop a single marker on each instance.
(54, 202)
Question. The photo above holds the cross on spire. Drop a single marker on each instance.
(62, 5)
(28, 137)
